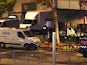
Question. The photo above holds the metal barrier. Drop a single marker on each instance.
(42, 56)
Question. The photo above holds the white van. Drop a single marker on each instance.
(12, 37)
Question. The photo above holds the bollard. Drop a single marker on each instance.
(84, 61)
(40, 58)
(13, 55)
(0, 52)
(69, 61)
(69, 58)
(26, 55)
(54, 48)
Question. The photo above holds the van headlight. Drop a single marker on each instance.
(38, 43)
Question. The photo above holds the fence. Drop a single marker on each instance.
(43, 56)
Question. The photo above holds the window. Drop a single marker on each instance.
(20, 34)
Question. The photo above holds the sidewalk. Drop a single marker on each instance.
(20, 62)
(62, 58)
(24, 62)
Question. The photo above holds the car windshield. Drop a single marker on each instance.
(28, 33)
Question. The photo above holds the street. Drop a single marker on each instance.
(40, 57)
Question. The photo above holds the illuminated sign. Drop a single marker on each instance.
(12, 16)
(48, 23)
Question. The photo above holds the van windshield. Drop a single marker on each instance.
(27, 21)
(33, 22)
(28, 33)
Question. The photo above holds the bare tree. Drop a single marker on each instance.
(6, 6)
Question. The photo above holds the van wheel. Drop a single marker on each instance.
(32, 46)
(26, 46)
(2, 45)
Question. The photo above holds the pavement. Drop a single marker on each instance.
(62, 58)
(21, 62)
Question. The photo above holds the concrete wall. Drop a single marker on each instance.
(18, 5)
(69, 4)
